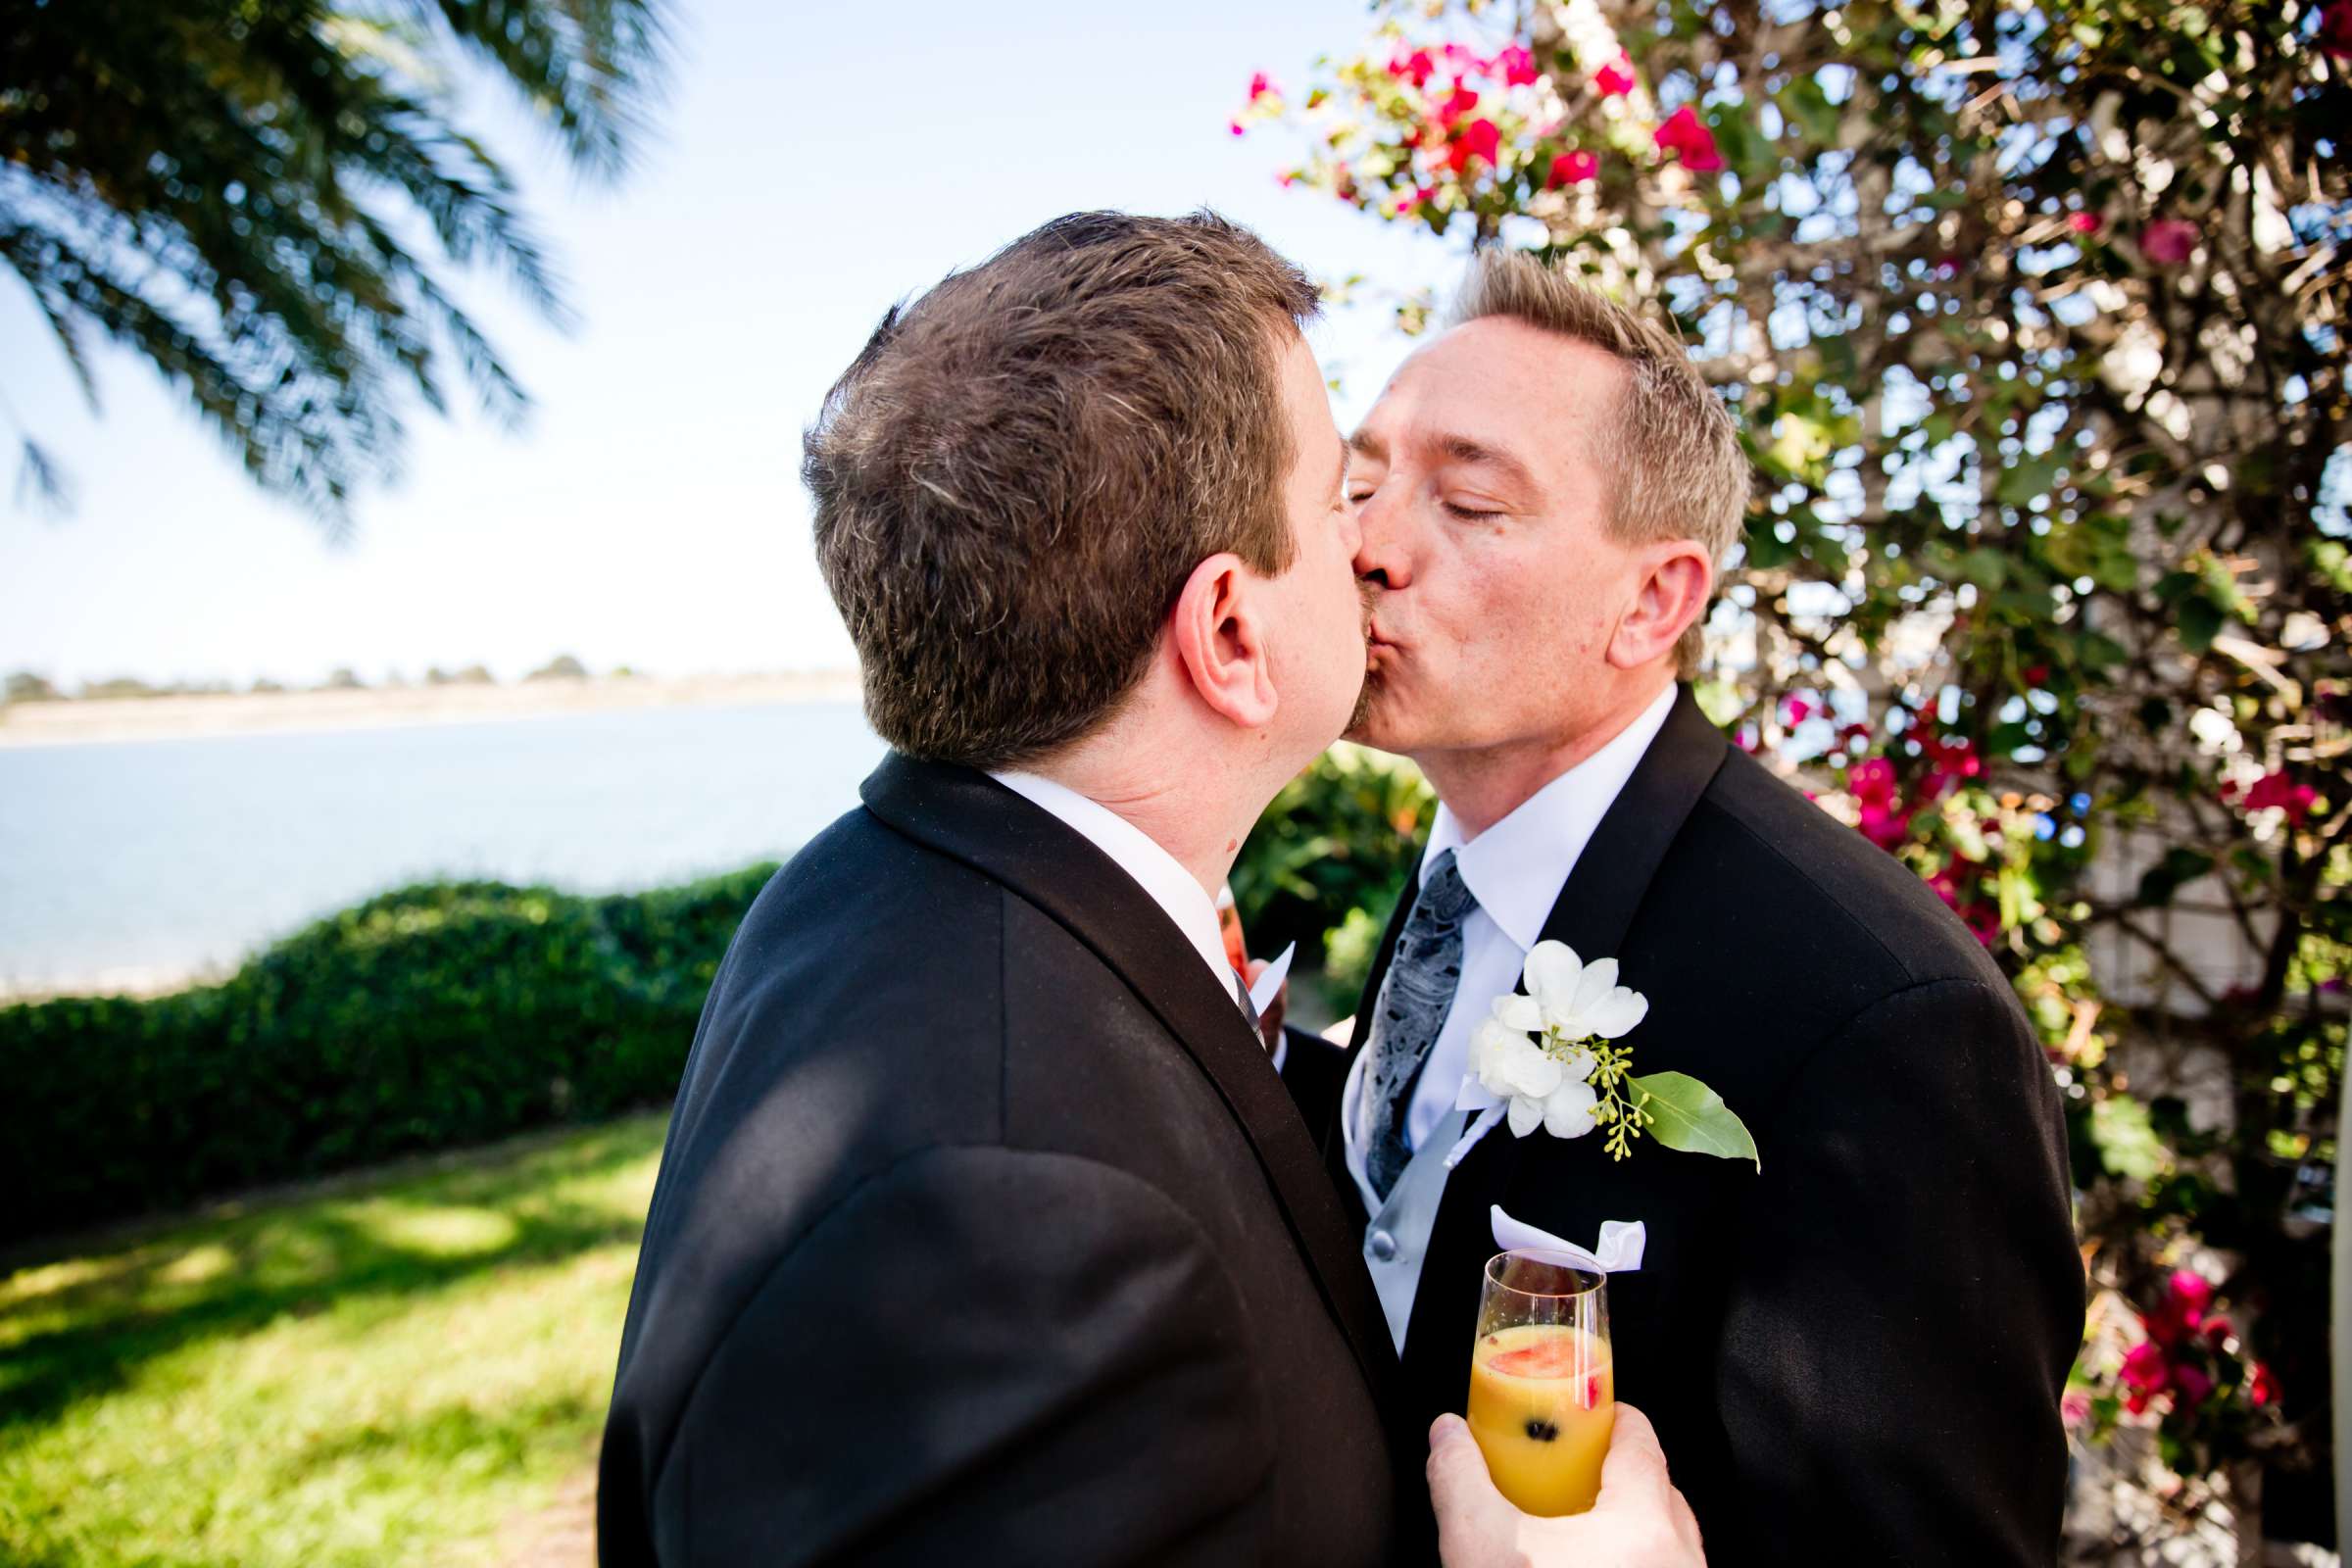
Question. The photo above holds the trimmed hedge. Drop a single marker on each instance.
(434, 1016)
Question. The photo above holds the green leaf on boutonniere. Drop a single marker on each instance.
(1681, 1112)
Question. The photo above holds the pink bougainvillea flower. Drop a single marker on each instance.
(1237, 127)
(1465, 60)
(2262, 1387)
(1572, 168)
(2192, 1387)
(1690, 141)
(2181, 1313)
(1983, 921)
(1516, 66)
(2275, 789)
(1946, 887)
(2083, 223)
(1885, 826)
(1796, 710)
(1477, 139)
(1261, 85)
(1416, 68)
(1872, 780)
(2146, 1368)
(1457, 103)
(1616, 78)
(2169, 241)
(2075, 1409)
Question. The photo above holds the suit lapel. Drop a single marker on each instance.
(972, 818)
(1592, 914)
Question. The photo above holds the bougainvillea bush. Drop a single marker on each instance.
(2032, 316)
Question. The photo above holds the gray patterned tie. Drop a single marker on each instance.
(1414, 996)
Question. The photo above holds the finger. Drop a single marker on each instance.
(1470, 1511)
(1686, 1525)
(1458, 1472)
(1633, 1473)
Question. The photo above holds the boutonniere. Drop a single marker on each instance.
(1549, 1057)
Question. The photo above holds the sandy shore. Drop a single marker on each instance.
(146, 718)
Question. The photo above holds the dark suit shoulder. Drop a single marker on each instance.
(1838, 899)
(855, 1021)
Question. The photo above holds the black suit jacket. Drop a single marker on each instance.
(986, 1233)
(1856, 1354)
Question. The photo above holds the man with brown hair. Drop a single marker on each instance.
(985, 1231)
(1854, 1352)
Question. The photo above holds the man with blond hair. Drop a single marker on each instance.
(1853, 1350)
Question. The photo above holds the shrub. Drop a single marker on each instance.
(437, 1015)
(1327, 859)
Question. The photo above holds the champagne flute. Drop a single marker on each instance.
(1542, 1387)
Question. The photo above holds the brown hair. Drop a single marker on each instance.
(1680, 471)
(1020, 470)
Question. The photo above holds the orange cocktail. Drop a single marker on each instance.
(1543, 1400)
(1542, 1388)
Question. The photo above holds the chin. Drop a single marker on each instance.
(1375, 723)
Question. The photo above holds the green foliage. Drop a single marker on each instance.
(2030, 318)
(236, 191)
(432, 1017)
(1325, 862)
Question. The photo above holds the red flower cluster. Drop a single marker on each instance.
(2083, 223)
(2336, 28)
(1477, 139)
(2183, 1351)
(2169, 241)
(1616, 80)
(1515, 66)
(2273, 789)
(1572, 168)
(1885, 821)
(1692, 142)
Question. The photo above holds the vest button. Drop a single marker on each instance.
(1384, 1246)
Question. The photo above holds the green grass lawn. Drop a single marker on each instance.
(377, 1373)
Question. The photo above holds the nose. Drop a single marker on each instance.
(1382, 554)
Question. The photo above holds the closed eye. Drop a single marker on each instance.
(1467, 514)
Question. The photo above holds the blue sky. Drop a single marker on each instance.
(808, 171)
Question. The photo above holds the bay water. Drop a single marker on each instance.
(136, 863)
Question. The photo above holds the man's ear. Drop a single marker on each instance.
(1218, 636)
(1677, 583)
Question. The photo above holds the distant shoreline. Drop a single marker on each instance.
(100, 721)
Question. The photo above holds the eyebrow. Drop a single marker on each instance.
(1339, 480)
(1461, 449)
(1458, 449)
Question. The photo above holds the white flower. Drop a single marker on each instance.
(1533, 1085)
(1575, 999)
(1528, 1064)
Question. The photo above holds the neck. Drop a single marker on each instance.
(1483, 785)
(1195, 799)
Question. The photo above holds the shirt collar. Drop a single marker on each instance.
(1516, 868)
(1157, 872)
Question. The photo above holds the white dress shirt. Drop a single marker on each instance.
(1515, 870)
(1157, 872)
